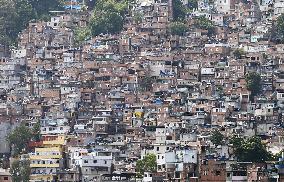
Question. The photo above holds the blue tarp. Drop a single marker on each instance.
(167, 73)
(158, 101)
(118, 106)
(76, 7)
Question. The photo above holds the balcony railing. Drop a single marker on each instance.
(44, 165)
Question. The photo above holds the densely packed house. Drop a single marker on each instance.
(110, 102)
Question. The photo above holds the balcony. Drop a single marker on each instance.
(54, 142)
(44, 165)
(42, 174)
(239, 178)
(38, 157)
(41, 177)
(35, 144)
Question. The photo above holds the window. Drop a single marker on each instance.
(177, 174)
(95, 161)
(205, 173)
(168, 137)
(218, 173)
(6, 178)
(105, 162)
(86, 161)
(245, 96)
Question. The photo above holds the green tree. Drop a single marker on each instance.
(239, 53)
(137, 17)
(217, 137)
(36, 132)
(178, 28)
(107, 17)
(15, 15)
(236, 143)
(25, 13)
(203, 23)
(211, 1)
(147, 164)
(90, 3)
(277, 33)
(42, 7)
(250, 150)
(106, 22)
(179, 10)
(220, 90)
(253, 83)
(19, 139)
(193, 4)
(119, 6)
(236, 140)
(275, 157)
(20, 171)
(146, 83)
(8, 25)
(81, 35)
